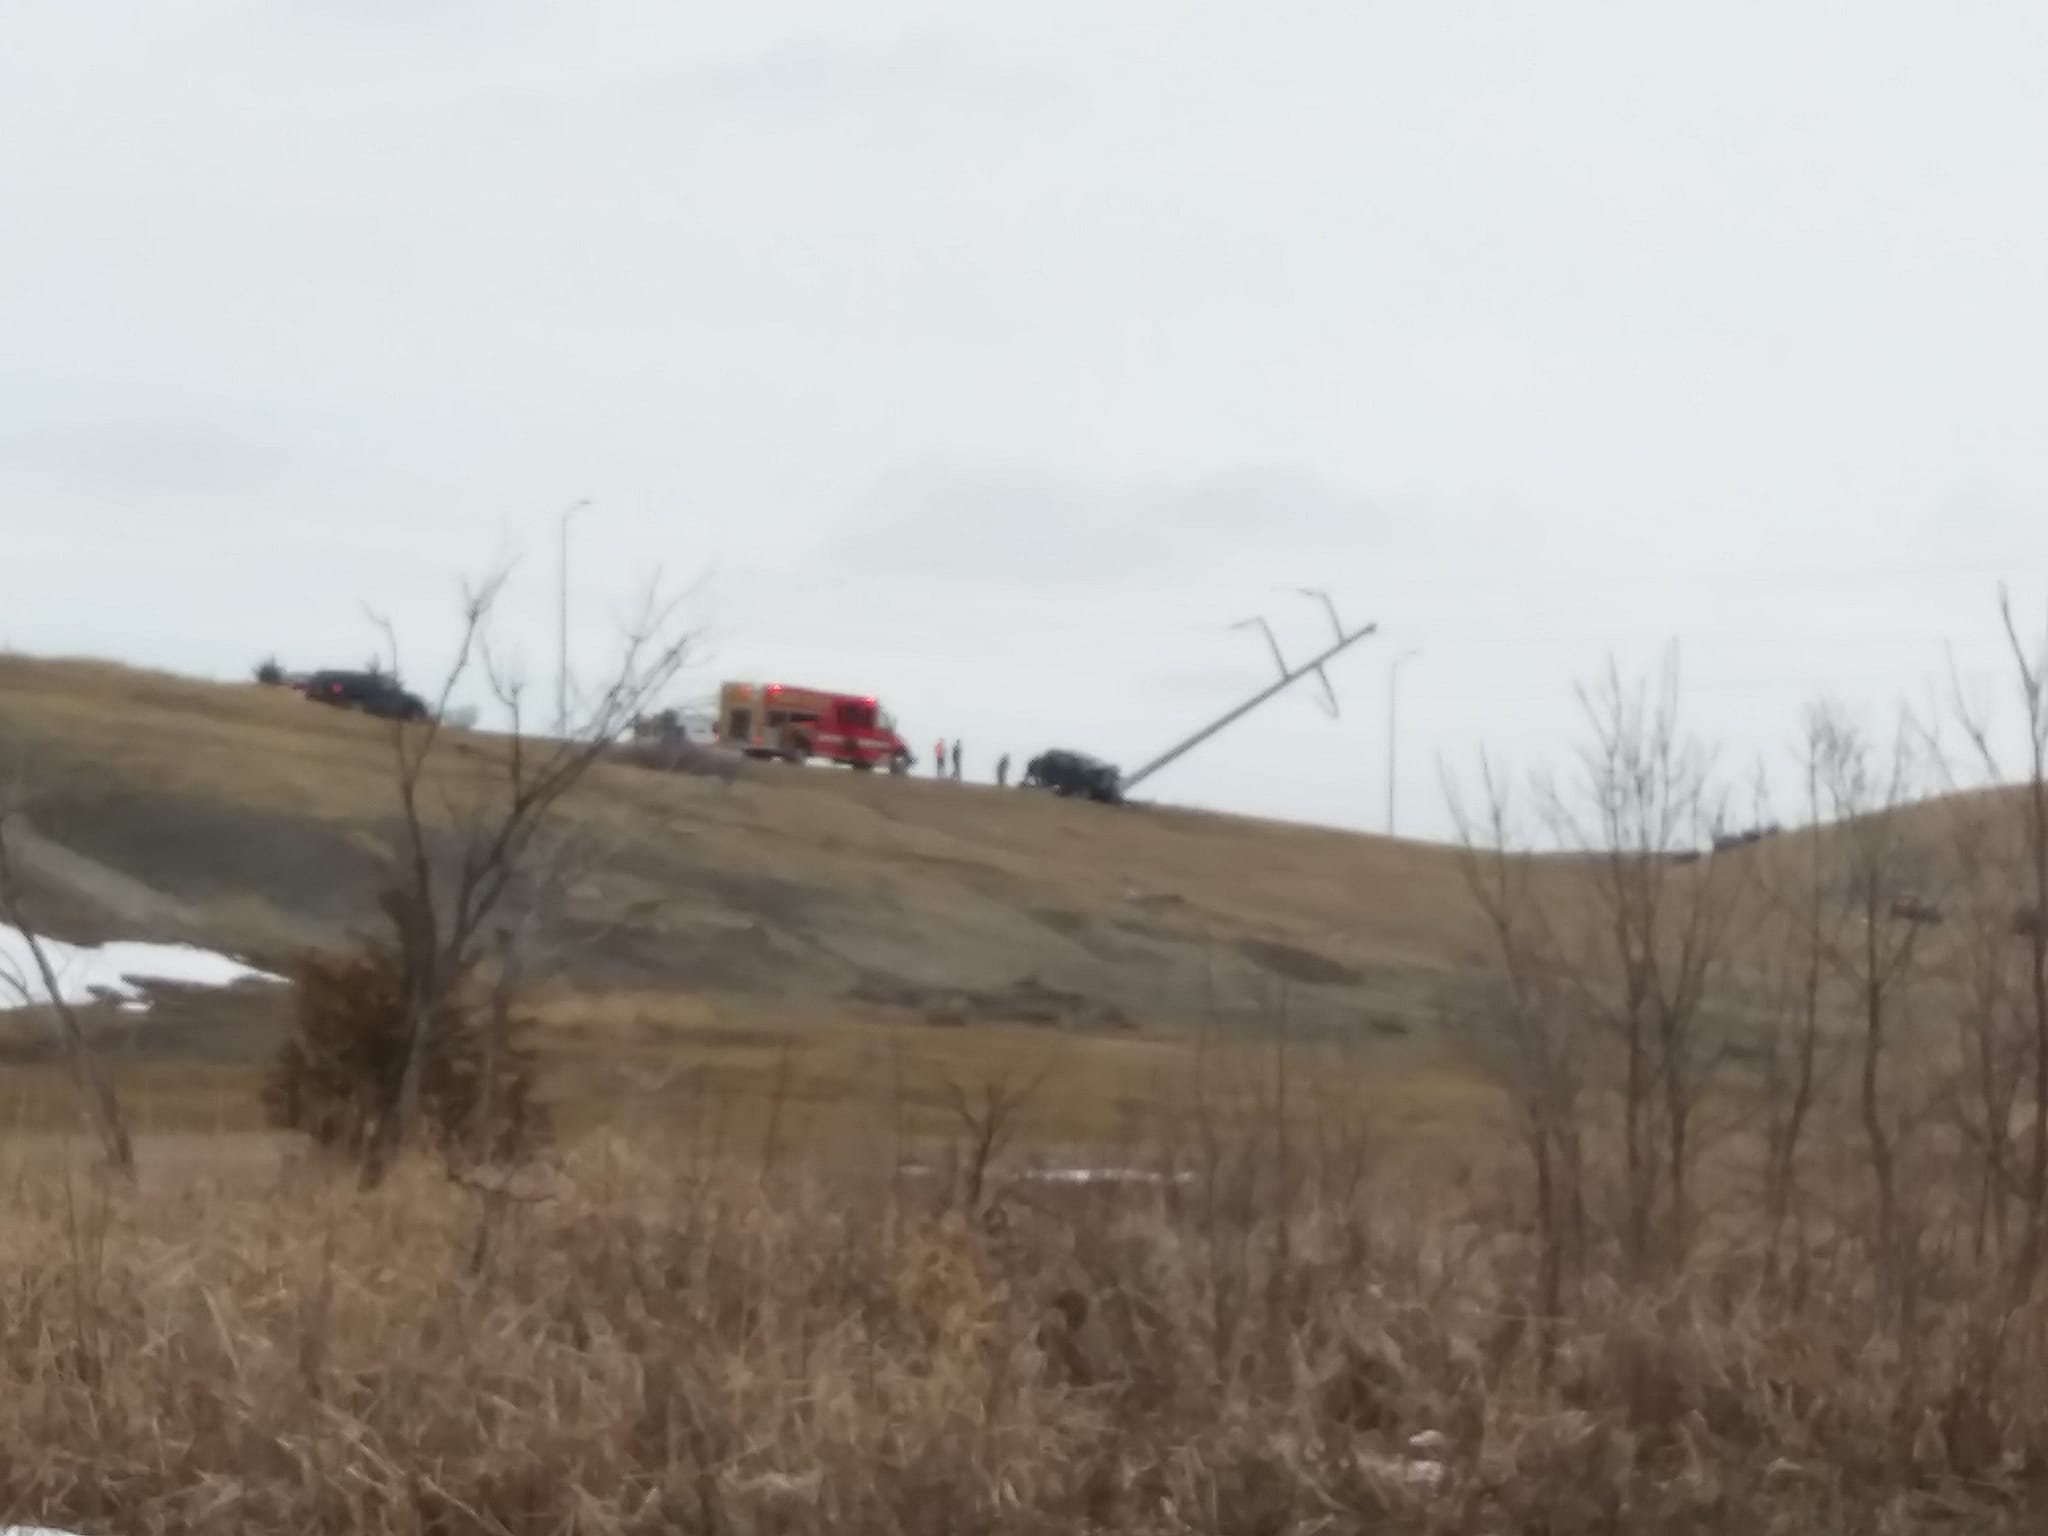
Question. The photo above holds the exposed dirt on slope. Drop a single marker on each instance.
(252, 821)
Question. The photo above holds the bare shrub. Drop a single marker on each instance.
(990, 1114)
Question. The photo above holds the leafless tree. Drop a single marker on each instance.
(532, 943)
(476, 813)
(1800, 927)
(95, 1086)
(1533, 1033)
(1867, 796)
(2026, 882)
(1651, 937)
(1992, 1036)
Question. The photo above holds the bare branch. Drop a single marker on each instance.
(497, 820)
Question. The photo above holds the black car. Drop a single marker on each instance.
(371, 692)
(1075, 773)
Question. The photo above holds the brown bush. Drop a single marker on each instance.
(341, 1063)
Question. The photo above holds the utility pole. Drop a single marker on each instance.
(1393, 684)
(1288, 677)
(562, 624)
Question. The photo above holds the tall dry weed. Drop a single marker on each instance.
(653, 1348)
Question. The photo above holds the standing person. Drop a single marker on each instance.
(956, 761)
(1002, 770)
(939, 757)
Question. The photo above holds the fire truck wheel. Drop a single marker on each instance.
(861, 765)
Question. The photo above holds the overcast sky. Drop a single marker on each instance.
(994, 359)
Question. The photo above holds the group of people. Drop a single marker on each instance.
(941, 759)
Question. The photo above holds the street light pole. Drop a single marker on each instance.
(1393, 684)
(1287, 678)
(562, 624)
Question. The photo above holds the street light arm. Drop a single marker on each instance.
(1329, 699)
(1271, 639)
(1329, 604)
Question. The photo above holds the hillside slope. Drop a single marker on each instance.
(247, 819)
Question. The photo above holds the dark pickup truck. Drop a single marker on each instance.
(371, 692)
(1075, 773)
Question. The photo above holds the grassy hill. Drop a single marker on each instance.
(728, 918)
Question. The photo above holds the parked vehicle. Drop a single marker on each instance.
(1075, 773)
(796, 724)
(373, 693)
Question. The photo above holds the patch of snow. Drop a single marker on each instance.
(32, 1530)
(1423, 1468)
(1103, 1176)
(1415, 1472)
(1083, 1176)
(1424, 1474)
(90, 973)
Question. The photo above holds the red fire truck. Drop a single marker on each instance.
(797, 724)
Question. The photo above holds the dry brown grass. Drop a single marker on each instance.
(724, 1067)
(726, 1072)
(658, 1339)
(944, 869)
(774, 1285)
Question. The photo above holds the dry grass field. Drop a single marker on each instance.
(648, 1337)
(862, 948)
(109, 750)
(1391, 1221)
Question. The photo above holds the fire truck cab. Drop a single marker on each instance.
(797, 724)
